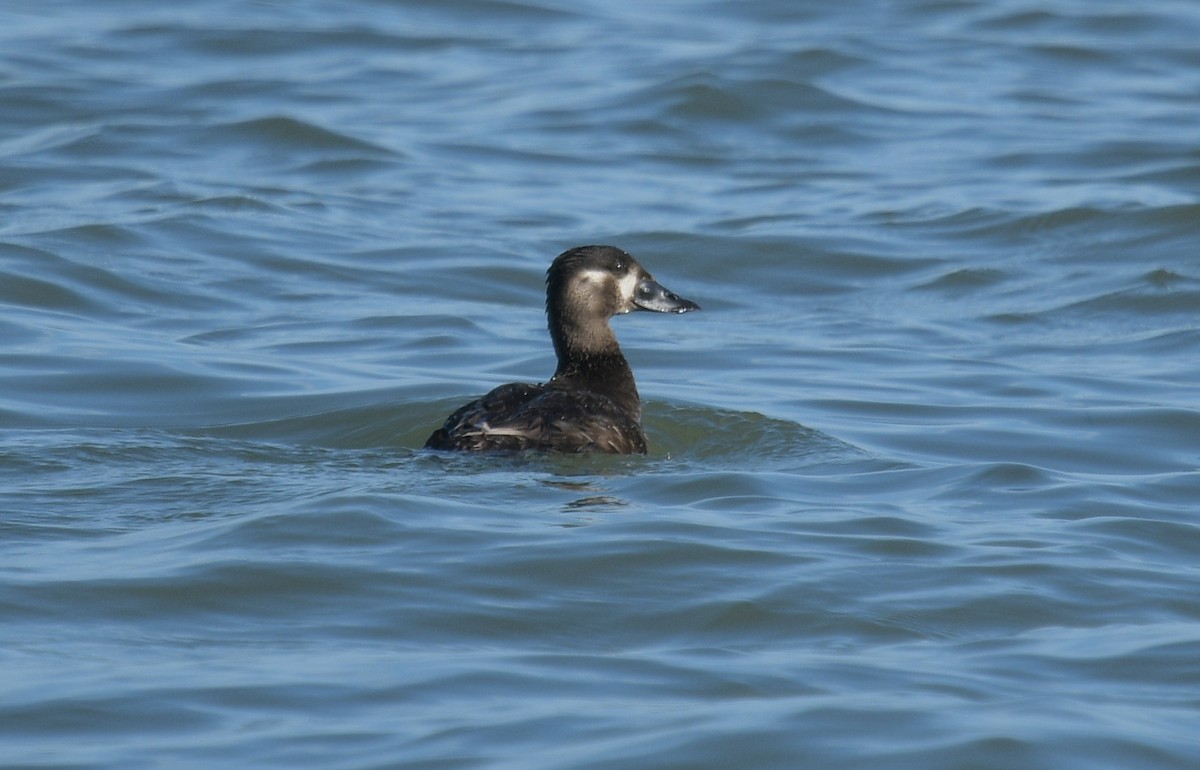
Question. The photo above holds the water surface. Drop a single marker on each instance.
(923, 480)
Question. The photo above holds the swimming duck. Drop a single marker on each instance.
(591, 404)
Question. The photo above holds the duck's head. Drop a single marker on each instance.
(590, 283)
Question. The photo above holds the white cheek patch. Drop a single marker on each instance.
(601, 281)
(594, 276)
(628, 285)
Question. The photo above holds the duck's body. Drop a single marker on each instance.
(591, 404)
(520, 416)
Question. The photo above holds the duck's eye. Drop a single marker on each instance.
(620, 264)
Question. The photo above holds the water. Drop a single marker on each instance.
(923, 481)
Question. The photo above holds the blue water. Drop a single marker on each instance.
(924, 481)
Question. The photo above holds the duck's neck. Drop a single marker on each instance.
(591, 359)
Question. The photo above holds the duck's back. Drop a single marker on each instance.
(519, 416)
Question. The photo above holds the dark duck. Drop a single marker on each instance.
(591, 404)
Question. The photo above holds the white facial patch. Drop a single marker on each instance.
(628, 285)
(592, 275)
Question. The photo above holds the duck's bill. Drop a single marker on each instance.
(650, 295)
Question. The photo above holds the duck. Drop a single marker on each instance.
(591, 403)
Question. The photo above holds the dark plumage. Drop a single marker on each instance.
(591, 404)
